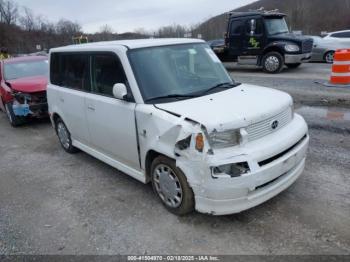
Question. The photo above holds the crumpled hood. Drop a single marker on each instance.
(233, 108)
(29, 84)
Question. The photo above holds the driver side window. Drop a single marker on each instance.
(106, 71)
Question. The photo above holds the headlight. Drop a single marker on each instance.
(291, 48)
(224, 139)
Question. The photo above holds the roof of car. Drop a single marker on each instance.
(24, 59)
(256, 13)
(343, 31)
(130, 44)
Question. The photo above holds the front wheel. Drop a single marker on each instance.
(272, 63)
(171, 186)
(329, 57)
(14, 120)
(291, 66)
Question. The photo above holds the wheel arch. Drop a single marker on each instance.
(271, 48)
(150, 156)
(55, 116)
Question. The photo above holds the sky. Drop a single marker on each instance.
(129, 15)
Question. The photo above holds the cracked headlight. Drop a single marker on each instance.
(292, 48)
(224, 139)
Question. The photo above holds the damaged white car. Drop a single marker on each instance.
(166, 111)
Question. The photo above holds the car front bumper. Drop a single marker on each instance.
(228, 195)
(297, 58)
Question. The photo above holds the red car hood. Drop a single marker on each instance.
(29, 84)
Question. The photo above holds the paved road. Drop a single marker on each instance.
(55, 203)
(305, 84)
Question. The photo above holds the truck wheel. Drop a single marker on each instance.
(171, 186)
(329, 57)
(296, 65)
(65, 137)
(273, 63)
(14, 120)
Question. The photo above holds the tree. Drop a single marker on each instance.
(27, 21)
(8, 12)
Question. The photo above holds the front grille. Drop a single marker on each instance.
(307, 46)
(38, 98)
(264, 128)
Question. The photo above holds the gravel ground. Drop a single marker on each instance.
(306, 84)
(55, 203)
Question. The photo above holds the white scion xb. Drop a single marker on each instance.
(166, 111)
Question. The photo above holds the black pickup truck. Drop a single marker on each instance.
(262, 38)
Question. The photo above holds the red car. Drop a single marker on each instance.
(23, 88)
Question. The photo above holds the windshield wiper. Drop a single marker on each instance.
(176, 96)
(221, 85)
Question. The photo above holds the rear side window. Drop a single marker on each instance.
(70, 70)
(106, 72)
(341, 35)
(236, 27)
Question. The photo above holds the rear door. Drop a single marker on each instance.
(111, 121)
(70, 83)
(235, 40)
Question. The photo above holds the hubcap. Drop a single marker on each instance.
(272, 63)
(167, 186)
(330, 57)
(63, 135)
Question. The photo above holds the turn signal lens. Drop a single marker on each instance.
(200, 142)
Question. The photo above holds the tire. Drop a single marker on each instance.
(14, 120)
(273, 63)
(170, 185)
(329, 57)
(64, 137)
(292, 66)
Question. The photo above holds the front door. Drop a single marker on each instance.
(253, 37)
(111, 121)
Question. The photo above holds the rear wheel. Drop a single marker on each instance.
(296, 65)
(329, 57)
(65, 137)
(14, 120)
(272, 63)
(171, 186)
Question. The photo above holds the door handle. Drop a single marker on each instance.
(62, 100)
(91, 108)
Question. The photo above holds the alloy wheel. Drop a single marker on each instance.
(272, 63)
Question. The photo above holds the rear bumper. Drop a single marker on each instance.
(298, 58)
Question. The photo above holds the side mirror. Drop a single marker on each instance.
(252, 26)
(120, 91)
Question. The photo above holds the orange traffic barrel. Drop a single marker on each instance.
(341, 67)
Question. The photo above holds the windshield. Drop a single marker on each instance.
(276, 26)
(178, 70)
(26, 69)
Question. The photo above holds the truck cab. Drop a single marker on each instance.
(263, 39)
